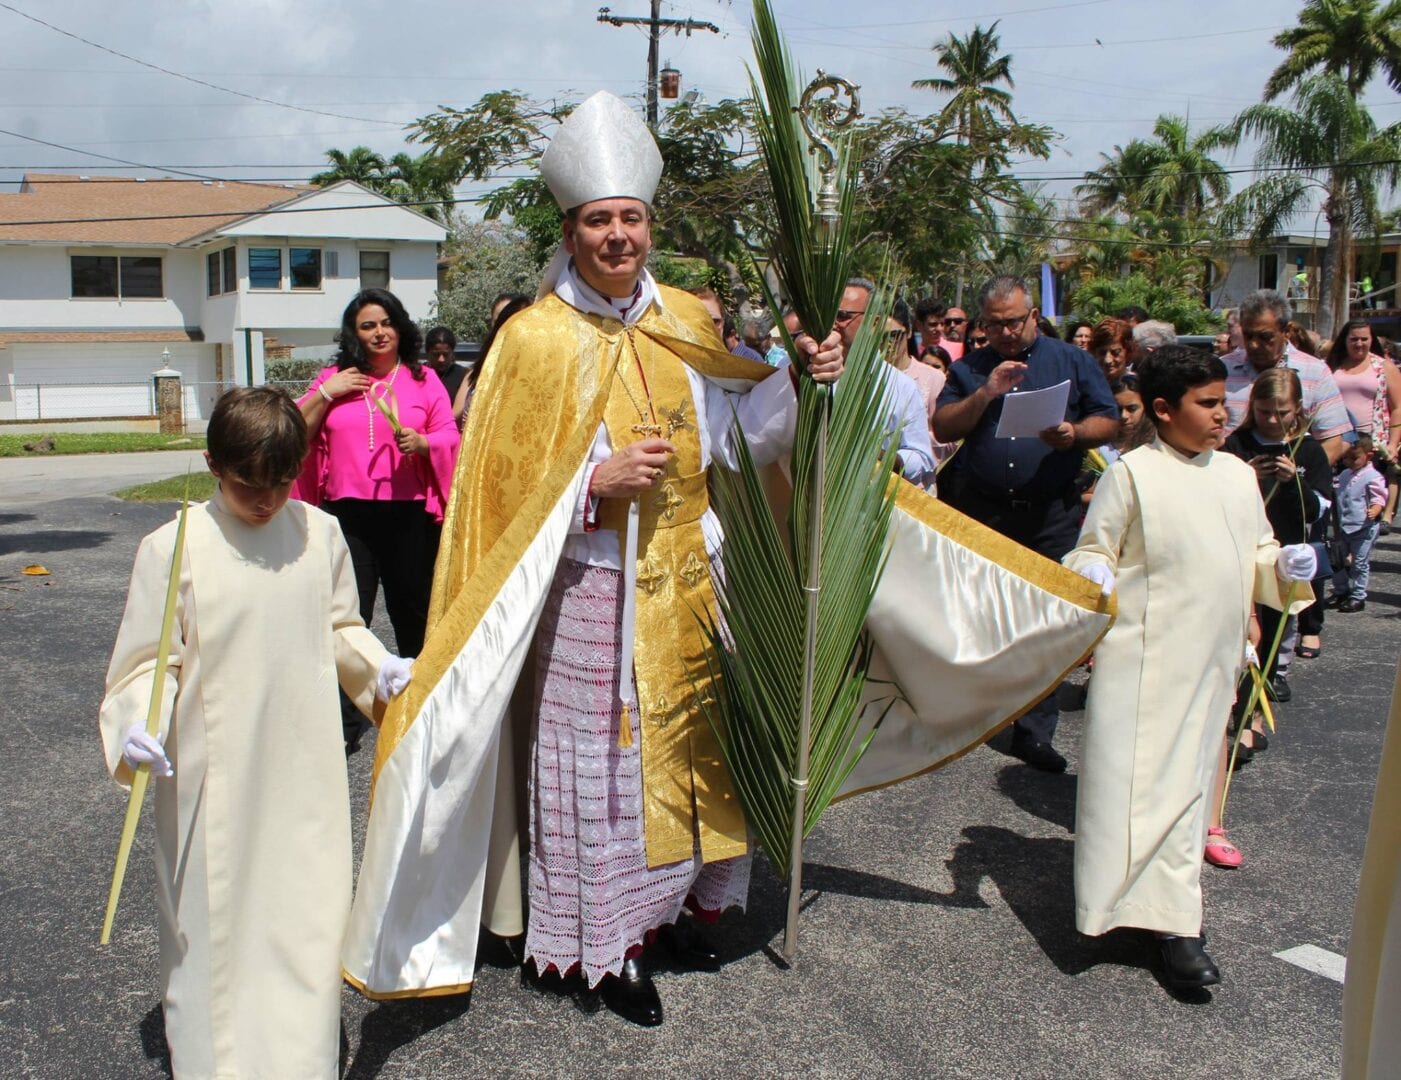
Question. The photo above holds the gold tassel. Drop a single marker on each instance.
(625, 727)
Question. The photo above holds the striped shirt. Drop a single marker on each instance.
(1321, 396)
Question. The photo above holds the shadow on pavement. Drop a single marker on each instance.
(1033, 875)
(1048, 796)
(392, 1024)
(57, 540)
(153, 1043)
(14, 519)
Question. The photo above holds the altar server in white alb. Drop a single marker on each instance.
(253, 858)
(1182, 530)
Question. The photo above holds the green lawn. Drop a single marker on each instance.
(96, 442)
(171, 489)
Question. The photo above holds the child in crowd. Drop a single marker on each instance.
(1135, 429)
(1296, 483)
(1183, 531)
(1361, 492)
(253, 855)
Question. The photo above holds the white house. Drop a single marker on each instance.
(101, 276)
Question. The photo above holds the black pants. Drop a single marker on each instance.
(394, 544)
(1048, 527)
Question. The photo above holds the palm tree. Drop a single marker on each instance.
(1348, 38)
(1173, 174)
(978, 105)
(1331, 146)
(425, 182)
(361, 164)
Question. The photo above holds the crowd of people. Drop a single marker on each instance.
(541, 529)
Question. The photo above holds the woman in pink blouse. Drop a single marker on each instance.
(387, 488)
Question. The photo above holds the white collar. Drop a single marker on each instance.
(578, 294)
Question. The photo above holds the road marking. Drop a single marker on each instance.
(1320, 961)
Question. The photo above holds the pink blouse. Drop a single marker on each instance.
(354, 455)
(1360, 390)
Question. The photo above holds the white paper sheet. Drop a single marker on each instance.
(1027, 413)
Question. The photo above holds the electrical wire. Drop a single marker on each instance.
(190, 78)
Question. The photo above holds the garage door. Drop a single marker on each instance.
(80, 380)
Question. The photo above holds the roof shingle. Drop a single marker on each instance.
(156, 205)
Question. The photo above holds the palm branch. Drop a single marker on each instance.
(778, 641)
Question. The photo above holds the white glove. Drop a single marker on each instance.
(1251, 656)
(1100, 574)
(140, 748)
(1296, 562)
(394, 675)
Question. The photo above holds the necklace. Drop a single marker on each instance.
(642, 427)
(370, 405)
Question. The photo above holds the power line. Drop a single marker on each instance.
(107, 157)
(190, 78)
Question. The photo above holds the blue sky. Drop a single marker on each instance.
(1099, 71)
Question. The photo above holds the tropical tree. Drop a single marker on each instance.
(1173, 173)
(1353, 39)
(974, 75)
(484, 259)
(425, 182)
(360, 164)
(1328, 146)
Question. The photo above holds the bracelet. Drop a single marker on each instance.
(322, 391)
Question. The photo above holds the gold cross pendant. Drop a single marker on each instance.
(653, 431)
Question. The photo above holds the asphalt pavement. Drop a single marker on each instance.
(32, 481)
(937, 936)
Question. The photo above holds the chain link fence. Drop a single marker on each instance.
(130, 400)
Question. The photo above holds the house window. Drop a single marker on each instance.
(211, 272)
(126, 276)
(374, 269)
(304, 265)
(141, 276)
(265, 268)
(1269, 271)
(231, 269)
(94, 275)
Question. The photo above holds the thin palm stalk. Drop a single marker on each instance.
(142, 774)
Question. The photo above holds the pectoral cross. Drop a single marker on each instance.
(647, 431)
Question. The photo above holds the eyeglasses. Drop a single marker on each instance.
(980, 339)
(895, 335)
(1264, 337)
(1006, 326)
(847, 316)
(954, 322)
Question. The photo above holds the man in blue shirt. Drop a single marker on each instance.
(1022, 487)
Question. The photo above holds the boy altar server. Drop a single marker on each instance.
(1183, 531)
(253, 858)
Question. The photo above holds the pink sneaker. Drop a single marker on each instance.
(1222, 852)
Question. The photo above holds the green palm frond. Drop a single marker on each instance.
(758, 640)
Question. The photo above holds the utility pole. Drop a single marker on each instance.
(655, 25)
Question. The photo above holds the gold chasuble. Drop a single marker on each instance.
(968, 630)
(686, 787)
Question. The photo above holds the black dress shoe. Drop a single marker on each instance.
(552, 983)
(1351, 606)
(1037, 754)
(688, 946)
(1278, 689)
(632, 994)
(1186, 966)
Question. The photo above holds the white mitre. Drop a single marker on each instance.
(603, 150)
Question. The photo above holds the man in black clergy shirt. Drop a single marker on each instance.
(1022, 487)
